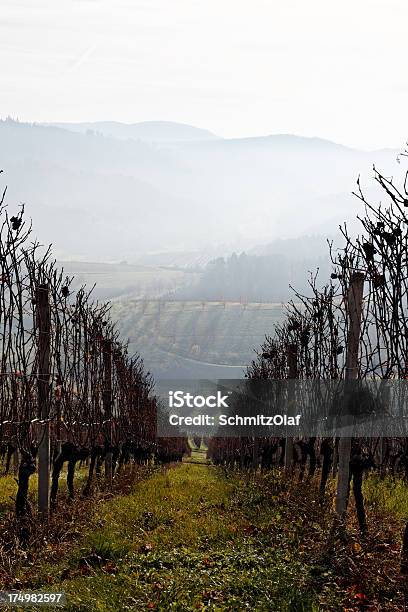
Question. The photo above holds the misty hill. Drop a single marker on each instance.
(263, 274)
(124, 281)
(268, 277)
(148, 131)
(298, 249)
(195, 339)
(100, 198)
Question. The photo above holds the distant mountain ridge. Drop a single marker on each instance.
(102, 198)
(147, 131)
(278, 140)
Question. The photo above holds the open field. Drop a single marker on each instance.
(195, 339)
(122, 280)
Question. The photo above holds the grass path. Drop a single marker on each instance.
(196, 537)
(185, 539)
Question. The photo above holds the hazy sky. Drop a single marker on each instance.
(237, 67)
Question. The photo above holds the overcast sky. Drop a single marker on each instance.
(237, 67)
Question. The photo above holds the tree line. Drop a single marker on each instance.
(252, 278)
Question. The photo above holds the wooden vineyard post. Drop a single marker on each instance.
(43, 381)
(107, 406)
(14, 418)
(241, 453)
(354, 312)
(335, 457)
(255, 452)
(16, 461)
(58, 425)
(292, 357)
(385, 394)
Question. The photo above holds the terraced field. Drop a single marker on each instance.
(195, 339)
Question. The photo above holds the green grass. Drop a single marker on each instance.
(198, 537)
(198, 455)
(120, 281)
(186, 539)
(388, 494)
(8, 487)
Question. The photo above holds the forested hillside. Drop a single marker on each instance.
(254, 278)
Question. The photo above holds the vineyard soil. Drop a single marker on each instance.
(196, 537)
